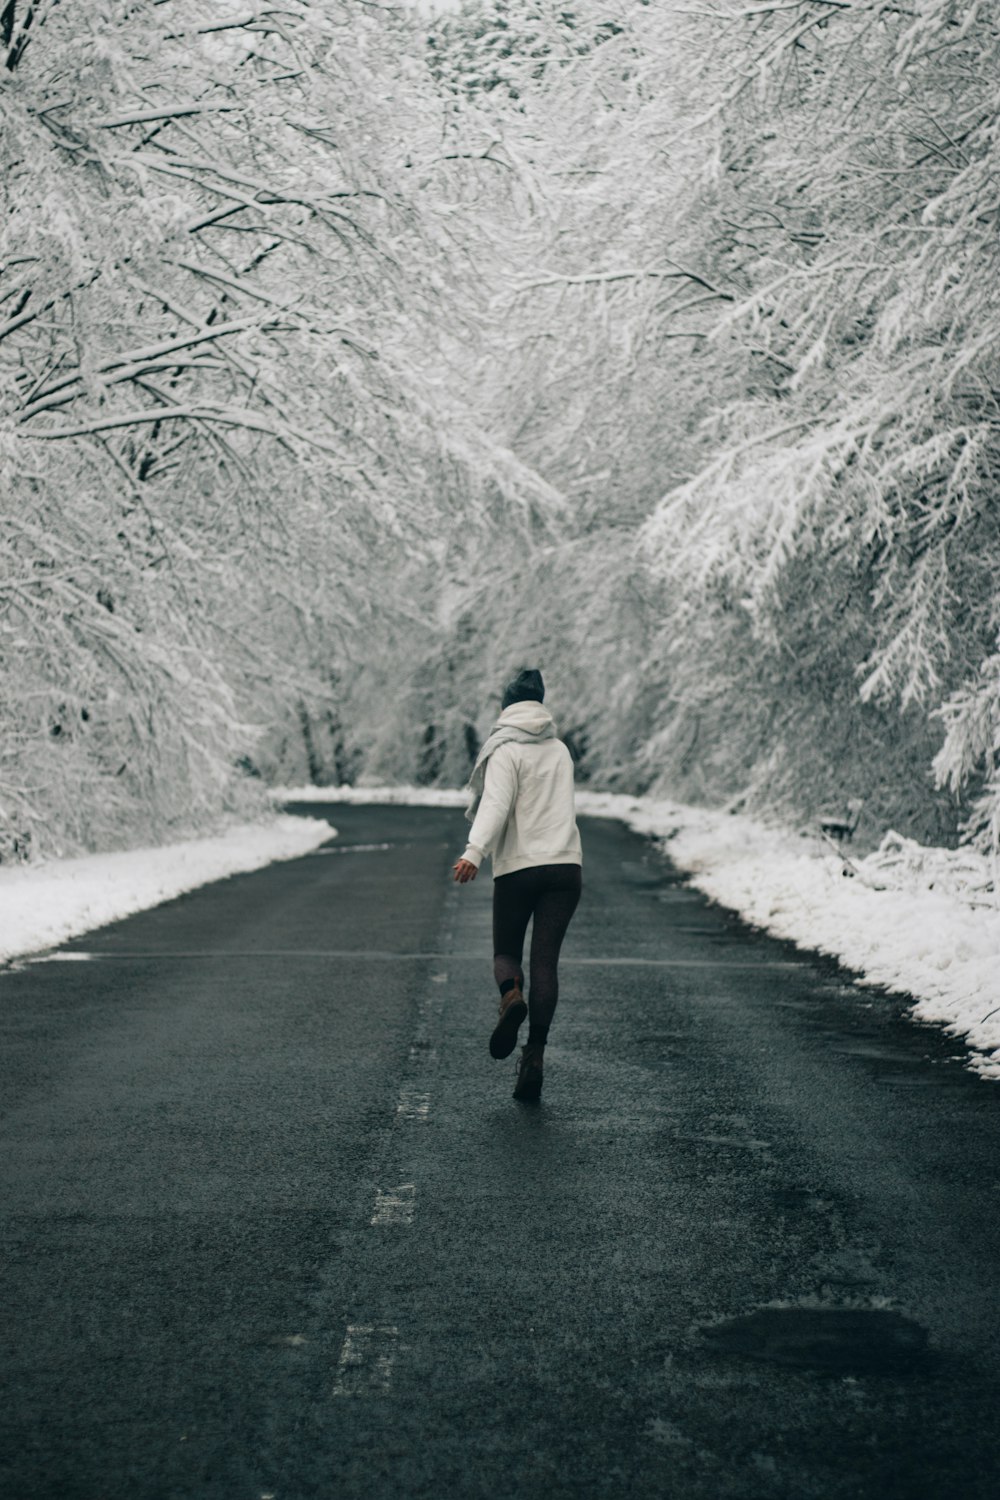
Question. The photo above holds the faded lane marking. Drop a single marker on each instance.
(746, 1142)
(395, 1205)
(366, 1359)
(413, 1104)
(253, 954)
(59, 957)
(349, 849)
(683, 963)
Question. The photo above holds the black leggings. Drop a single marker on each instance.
(550, 894)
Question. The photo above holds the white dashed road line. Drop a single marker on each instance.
(366, 1359)
(413, 1104)
(370, 1350)
(395, 1205)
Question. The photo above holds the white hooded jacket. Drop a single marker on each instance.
(526, 815)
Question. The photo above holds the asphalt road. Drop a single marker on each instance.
(274, 1227)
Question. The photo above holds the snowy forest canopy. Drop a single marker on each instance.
(350, 359)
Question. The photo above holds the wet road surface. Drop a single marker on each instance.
(274, 1227)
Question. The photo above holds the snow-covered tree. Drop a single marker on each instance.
(760, 285)
(223, 428)
(350, 360)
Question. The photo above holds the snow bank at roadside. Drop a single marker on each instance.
(43, 905)
(911, 919)
(920, 921)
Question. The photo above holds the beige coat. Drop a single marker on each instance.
(527, 814)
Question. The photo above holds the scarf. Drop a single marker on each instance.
(525, 723)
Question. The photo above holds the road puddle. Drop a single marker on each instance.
(833, 1340)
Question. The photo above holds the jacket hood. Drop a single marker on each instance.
(527, 715)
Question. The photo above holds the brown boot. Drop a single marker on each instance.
(528, 1087)
(513, 1010)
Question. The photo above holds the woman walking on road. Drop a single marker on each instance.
(524, 817)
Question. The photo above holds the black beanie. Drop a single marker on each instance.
(526, 687)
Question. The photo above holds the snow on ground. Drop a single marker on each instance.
(43, 905)
(920, 921)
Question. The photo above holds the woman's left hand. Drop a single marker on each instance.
(464, 870)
